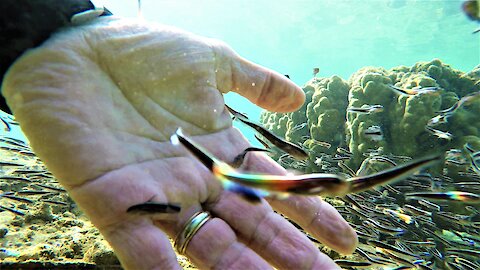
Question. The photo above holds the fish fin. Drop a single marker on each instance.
(249, 194)
(238, 160)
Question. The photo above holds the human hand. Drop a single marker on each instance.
(99, 102)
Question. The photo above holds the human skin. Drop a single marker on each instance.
(98, 103)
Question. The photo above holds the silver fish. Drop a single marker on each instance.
(374, 133)
(440, 134)
(298, 127)
(366, 109)
(288, 147)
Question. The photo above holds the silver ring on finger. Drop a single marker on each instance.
(192, 226)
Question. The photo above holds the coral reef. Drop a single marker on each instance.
(401, 124)
(381, 118)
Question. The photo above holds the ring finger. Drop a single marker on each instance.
(215, 245)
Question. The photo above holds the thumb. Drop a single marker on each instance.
(262, 86)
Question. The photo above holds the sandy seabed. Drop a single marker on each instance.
(45, 230)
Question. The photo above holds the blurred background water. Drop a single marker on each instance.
(337, 36)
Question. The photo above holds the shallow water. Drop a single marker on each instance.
(339, 37)
(360, 47)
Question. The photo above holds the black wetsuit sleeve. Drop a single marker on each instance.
(25, 24)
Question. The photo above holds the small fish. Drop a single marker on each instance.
(474, 158)
(412, 92)
(347, 169)
(450, 110)
(474, 165)
(344, 151)
(472, 252)
(391, 248)
(14, 178)
(340, 158)
(315, 142)
(315, 71)
(440, 134)
(466, 264)
(384, 229)
(439, 119)
(455, 162)
(15, 211)
(396, 214)
(149, 207)
(472, 209)
(355, 264)
(56, 202)
(288, 147)
(431, 244)
(14, 140)
(460, 196)
(10, 164)
(470, 150)
(16, 198)
(383, 159)
(298, 127)
(34, 192)
(466, 100)
(366, 110)
(476, 31)
(375, 260)
(358, 212)
(50, 187)
(430, 205)
(374, 133)
(400, 259)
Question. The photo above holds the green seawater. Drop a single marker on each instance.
(339, 37)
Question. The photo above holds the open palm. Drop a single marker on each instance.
(99, 102)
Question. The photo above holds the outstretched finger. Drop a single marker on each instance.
(215, 246)
(316, 216)
(321, 220)
(141, 245)
(270, 235)
(262, 86)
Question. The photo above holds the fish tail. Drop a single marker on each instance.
(394, 174)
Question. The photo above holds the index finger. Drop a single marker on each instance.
(262, 86)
